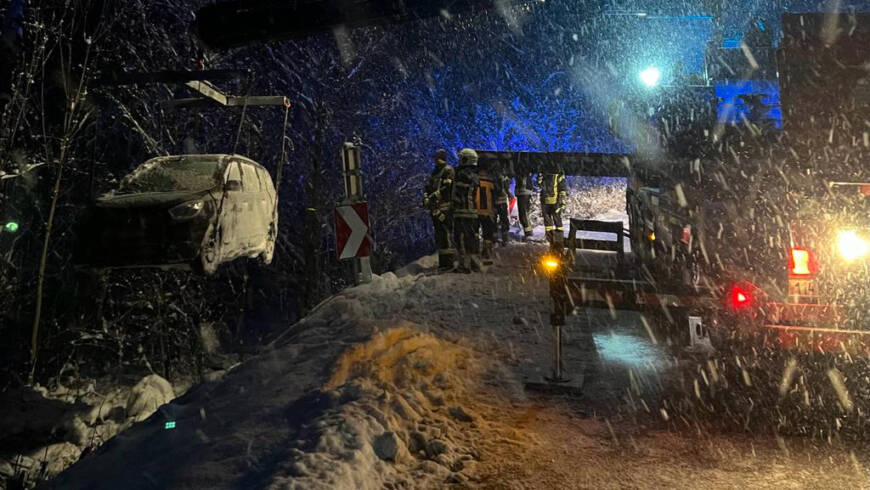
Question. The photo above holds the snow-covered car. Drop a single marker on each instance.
(201, 210)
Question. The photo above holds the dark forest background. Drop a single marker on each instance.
(65, 138)
(549, 76)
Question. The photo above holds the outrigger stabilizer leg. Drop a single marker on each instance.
(557, 382)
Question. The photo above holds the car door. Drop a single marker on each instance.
(267, 196)
(232, 222)
(256, 220)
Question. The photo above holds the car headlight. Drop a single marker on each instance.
(852, 245)
(186, 211)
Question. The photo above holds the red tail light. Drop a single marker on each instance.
(740, 297)
(801, 262)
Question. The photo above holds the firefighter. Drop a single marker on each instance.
(554, 193)
(436, 199)
(524, 202)
(484, 201)
(502, 212)
(466, 224)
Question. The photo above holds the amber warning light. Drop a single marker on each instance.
(550, 263)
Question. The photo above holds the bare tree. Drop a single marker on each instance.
(58, 27)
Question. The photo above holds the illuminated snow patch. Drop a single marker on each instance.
(627, 349)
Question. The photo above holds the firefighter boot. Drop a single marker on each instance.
(486, 255)
(503, 238)
(476, 265)
(462, 264)
(446, 262)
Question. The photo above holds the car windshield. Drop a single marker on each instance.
(171, 175)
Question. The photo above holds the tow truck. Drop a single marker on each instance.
(754, 236)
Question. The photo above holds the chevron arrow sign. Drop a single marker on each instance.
(352, 238)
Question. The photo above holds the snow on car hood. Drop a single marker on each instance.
(146, 199)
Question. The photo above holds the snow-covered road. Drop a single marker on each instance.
(417, 381)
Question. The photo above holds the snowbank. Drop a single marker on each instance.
(42, 431)
(349, 397)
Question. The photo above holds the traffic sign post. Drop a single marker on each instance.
(352, 237)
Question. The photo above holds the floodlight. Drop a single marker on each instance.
(650, 76)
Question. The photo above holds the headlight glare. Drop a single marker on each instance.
(852, 246)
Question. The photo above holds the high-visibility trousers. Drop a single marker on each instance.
(552, 222)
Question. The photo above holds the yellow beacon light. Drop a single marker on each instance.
(550, 263)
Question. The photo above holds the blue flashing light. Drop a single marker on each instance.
(731, 109)
(731, 43)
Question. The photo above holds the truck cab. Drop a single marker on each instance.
(777, 221)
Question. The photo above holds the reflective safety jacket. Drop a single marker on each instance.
(524, 185)
(554, 190)
(465, 185)
(436, 196)
(484, 199)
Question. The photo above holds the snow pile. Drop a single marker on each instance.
(398, 418)
(147, 396)
(352, 396)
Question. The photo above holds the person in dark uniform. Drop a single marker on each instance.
(485, 202)
(502, 199)
(437, 199)
(466, 224)
(554, 193)
(523, 191)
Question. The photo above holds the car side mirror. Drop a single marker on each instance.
(233, 185)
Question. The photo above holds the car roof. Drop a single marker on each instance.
(218, 158)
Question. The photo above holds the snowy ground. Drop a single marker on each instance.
(417, 381)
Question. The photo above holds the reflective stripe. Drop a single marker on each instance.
(527, 228)
(549, 228)
(446, 251)
(559, 228)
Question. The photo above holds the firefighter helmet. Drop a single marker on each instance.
(468, 157)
